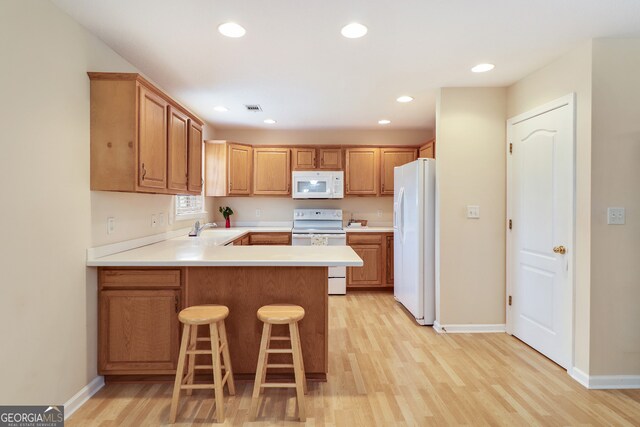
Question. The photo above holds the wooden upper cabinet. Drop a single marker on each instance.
(362, 171)
(178, 150)
(139, 136)
(152, 145)
(239, 168)
(392, 157)
(428, 150)
(271, 171)
(228, 168)
(330, 158)
(303, 159)
(195, 158)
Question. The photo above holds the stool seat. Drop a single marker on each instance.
(203, 314)
(280, 314)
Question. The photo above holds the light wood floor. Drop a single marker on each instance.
(387, 371)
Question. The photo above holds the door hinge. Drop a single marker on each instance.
(510, 300)
(511, 148)
(510, 224)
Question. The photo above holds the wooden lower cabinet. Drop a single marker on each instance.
(270, 239)
(376, 251)
(138, 331)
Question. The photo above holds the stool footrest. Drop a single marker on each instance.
(207, 367)
(280, 350)
(199, 352)
(280, 339)
(280, 365)
(203, 339)
(278, 385)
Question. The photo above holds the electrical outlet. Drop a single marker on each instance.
(379, 212)
(615, 216)
(473, 212)
(154, 220)
(111, 225)
(258, 213)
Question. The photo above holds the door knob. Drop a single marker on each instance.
(560, 250)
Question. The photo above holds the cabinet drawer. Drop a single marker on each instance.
(141, 279)
(270, 239)
(364, 238)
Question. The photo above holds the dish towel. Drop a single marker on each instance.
(317, 240)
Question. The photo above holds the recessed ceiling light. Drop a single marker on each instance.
(221, 108)
(482, 68)
(404, 98)
(384, 122)
(354, 30)
(231, 29)
(270, 121)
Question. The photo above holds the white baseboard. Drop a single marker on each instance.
(79, 399)
(605, 382)
(471, 328)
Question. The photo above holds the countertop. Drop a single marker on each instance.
(369, 230)
(208, 250)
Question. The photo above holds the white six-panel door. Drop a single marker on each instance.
(540, 242)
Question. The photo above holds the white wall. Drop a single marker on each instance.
(615, 174)
(470, 168)
(569, 73)
(48, 301)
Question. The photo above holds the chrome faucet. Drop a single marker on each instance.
(197, 229)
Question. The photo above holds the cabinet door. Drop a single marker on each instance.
(330, 158)
(362, 171)
(245, 241)
(195, 158)
(389, 260)
(370, 274)
(178, 150)
(152, 141)
(392, 157)
(138, 331)
(428, 150)
(303, 159)
(239, 169)
(271, 171)
(272, 239)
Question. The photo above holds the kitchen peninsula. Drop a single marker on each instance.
(141, 291)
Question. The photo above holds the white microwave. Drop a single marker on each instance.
(318, 185)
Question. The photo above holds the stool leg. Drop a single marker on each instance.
(304, 375)
(192, 358)
(217, 371)
(179, 374)
(297, 367)
(226, 357)
(261, 371)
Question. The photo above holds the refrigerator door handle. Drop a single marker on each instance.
(400, 214)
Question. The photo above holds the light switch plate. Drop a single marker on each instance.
(161, 217)
(473, 211)
(111, 225)
(615, 216)
(258, 213)
(154, 220)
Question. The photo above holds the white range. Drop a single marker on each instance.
(322, 227)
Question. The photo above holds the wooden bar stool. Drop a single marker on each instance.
(192, 317)
(280, 314)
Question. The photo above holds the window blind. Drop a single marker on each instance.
(188, 205)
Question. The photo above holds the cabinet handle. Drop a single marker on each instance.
(144, 171)
(177, 301)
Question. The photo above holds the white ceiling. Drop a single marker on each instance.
(296, 65)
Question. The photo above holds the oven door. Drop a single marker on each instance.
(312, 186)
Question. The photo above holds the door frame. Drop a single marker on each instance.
(569, 100)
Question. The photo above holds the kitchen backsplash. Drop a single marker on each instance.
(256, 210)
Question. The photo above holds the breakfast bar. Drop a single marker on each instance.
(142, 290)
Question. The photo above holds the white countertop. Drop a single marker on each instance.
(208, 250)
(369, 229)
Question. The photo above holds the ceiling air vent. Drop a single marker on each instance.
(255, 108)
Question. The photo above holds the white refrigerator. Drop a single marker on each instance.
(414, 238)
